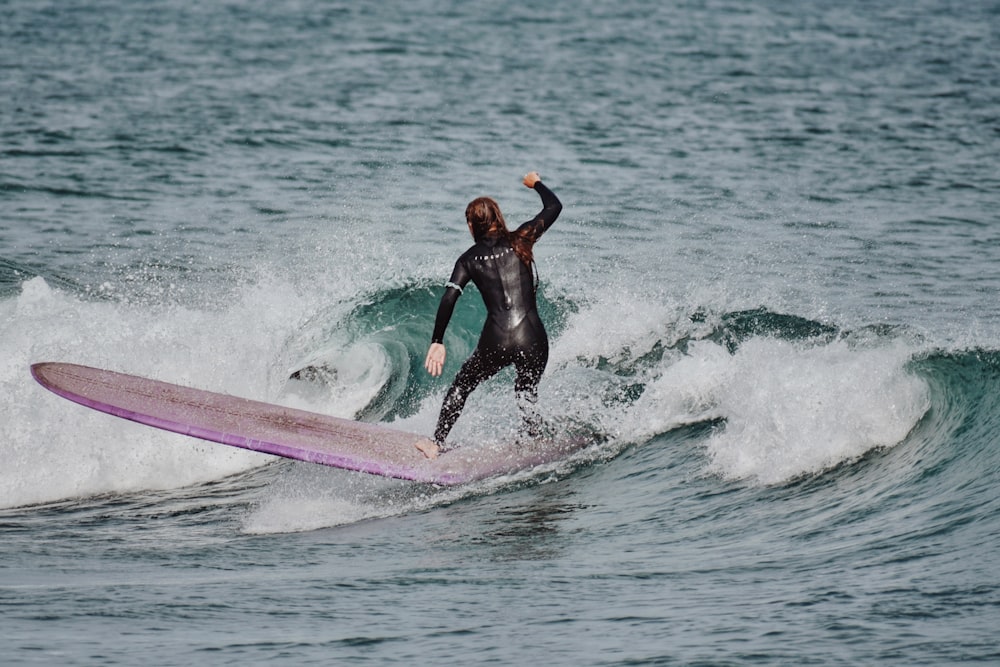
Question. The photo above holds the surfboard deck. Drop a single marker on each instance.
(289, 432)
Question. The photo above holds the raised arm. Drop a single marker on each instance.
(551, 207)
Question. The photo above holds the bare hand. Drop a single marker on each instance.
(435, 359)
(531, 178)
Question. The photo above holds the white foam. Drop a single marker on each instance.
(613, 328)
(354, 374)
(686, 391)
(789, 409)
(54, 449)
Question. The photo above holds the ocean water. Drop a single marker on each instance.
(773, 291)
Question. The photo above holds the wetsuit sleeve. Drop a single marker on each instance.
(551, 207)
(453, 289)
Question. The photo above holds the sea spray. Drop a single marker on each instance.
(56, 450)
(792, 410)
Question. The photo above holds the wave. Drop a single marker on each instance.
(788, 396)
(774, 398)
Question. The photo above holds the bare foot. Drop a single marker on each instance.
(429, 448)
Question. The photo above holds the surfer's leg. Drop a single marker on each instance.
(477, 369)
(530, 365)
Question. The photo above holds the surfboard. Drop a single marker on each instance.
(289, 432)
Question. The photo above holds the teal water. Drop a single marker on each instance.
(773, 289)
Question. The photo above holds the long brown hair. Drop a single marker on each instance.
(485, 219)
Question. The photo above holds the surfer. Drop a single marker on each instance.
(501, 265)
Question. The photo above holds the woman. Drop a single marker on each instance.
(501, 265)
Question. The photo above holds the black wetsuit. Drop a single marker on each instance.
(513, 333)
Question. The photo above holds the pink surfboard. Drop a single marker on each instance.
(288, 432)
